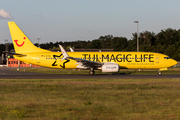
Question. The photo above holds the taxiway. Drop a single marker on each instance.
(6, 73)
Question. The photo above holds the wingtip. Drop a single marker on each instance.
(63, 52)
(60, 46)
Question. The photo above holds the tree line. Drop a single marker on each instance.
(166, 41)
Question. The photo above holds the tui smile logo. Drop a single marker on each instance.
(20, 45)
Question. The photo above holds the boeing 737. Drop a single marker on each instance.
(105, 61)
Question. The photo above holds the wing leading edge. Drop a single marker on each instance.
(82, 62)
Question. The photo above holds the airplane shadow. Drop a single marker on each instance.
(122, 73)
(125, 73)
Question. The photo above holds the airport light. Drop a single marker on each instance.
(6, 45)
(38, 41)
(137, 35)
(6, 40)
(6, 50)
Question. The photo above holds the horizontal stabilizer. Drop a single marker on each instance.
(17, 54)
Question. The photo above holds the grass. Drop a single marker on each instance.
(92, 99)
(76, 71)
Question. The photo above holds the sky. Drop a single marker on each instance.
(72, 20)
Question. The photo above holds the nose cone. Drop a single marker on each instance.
(173, 62)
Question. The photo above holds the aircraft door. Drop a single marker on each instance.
(157, 59)
(38, 58)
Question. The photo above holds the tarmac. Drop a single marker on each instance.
(6, 73)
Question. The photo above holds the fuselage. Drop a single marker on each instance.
(128, 60)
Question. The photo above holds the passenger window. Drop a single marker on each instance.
(166, 57)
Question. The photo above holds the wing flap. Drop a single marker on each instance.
(84, 62)
(87, 62)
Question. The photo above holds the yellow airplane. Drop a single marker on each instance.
(105, 61)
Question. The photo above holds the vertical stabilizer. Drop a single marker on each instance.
(21, 42)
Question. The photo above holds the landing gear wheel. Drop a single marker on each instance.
(159, 73)
(91, 72)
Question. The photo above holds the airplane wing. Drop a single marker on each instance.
(83, 62)
(87, 62)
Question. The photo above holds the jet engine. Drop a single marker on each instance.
(110, 67)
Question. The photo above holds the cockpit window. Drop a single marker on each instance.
(166, 57)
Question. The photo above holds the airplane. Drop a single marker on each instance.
(71, 50)
(111, 62)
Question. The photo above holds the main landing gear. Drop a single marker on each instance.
(91, 72)
(159, 73)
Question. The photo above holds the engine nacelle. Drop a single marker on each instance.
(110, 67)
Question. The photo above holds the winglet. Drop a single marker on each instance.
(71, 49)
(63, 52)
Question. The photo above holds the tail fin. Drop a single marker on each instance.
(21, 42)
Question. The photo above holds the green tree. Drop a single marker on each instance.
(96, 44)
(119, 43)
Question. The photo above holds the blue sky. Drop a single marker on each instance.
(67, 20)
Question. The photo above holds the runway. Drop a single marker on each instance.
(6, 73)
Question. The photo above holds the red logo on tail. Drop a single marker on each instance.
(19, 45)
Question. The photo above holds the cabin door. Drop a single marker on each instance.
(157, 58)
(38, 58)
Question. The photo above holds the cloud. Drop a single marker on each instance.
(5, 15)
